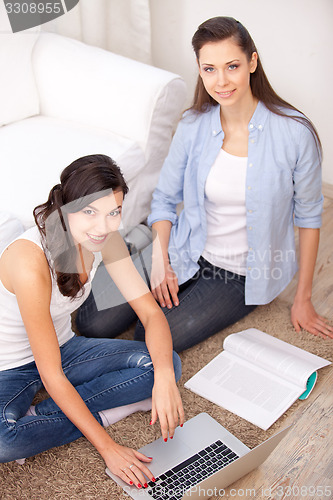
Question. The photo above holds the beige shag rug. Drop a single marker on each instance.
(76, 471)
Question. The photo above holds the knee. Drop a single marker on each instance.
(177, 365)
(140, 359)
(143, 360)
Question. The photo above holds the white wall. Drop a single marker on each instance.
(294, 39)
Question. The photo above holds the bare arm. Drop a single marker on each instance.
(167, 404)
(303, 314)
(30, 281)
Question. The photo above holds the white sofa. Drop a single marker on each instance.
(61, 99)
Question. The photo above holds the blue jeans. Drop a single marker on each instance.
(210, 301)
(106, 373)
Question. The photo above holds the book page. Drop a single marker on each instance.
(257, 376)
(283, 359)
(244, 389)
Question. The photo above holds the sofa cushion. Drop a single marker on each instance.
(50, 145)
(18, 97)
(89, 85)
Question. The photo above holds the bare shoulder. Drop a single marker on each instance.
(23, 260)
(24, 252)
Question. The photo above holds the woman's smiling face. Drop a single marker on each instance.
(92, 225)
(225, 71)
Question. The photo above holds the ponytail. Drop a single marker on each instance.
(57, 243)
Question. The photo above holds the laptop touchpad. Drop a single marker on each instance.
(166, 455)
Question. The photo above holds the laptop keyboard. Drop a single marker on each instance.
(172, 484)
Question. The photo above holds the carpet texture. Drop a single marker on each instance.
(76, 471)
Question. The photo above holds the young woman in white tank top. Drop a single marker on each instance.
(45, 274)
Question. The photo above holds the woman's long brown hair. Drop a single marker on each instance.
(222, 28)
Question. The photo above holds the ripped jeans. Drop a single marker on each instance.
(105, 372)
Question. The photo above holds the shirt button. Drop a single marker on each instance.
(249, 268)
(250, 211)
(250, 228)
(214, 132)
(251, 125)
(260, 127)
(252, 141)
(250, 249)
(249, 187)
(250, 164)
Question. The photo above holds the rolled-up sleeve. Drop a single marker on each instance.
(308, 198)
(169, 190)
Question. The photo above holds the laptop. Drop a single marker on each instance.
(200, 461)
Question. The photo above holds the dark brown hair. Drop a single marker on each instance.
(80, 184)
(222, 28)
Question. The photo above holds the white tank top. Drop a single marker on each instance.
(15, 349)
(226, 244)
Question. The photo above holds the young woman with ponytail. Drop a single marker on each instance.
(247, 166)
(45, 274)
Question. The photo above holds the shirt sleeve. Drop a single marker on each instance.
(308, 198)
(169, 190)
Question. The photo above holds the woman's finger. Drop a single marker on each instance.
(153, 415)
(173, 289)
(164, 426)
(316, 332)
(181, 413)
(159, 298)
(172, 421)
(134, 476)
(325, 330)
(143, 458)
(296, 325)
(166, 295)
(124, 477)
(138, 473)
(325, 327)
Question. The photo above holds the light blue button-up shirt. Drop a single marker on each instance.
(283, 188)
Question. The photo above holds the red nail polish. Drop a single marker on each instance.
(131, 482)
(150, 458)
(171, 437)
(153, 479)
(151, 422)
(165, 440)
(145, 485)
(181, 425)
(139, 485)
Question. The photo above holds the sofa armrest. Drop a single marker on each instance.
(92, 86)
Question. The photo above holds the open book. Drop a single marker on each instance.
(257, 376)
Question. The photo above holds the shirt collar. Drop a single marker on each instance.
(257, 121)
(259, 117)
(216, 120)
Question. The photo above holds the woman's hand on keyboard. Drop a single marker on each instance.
(128, 464)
